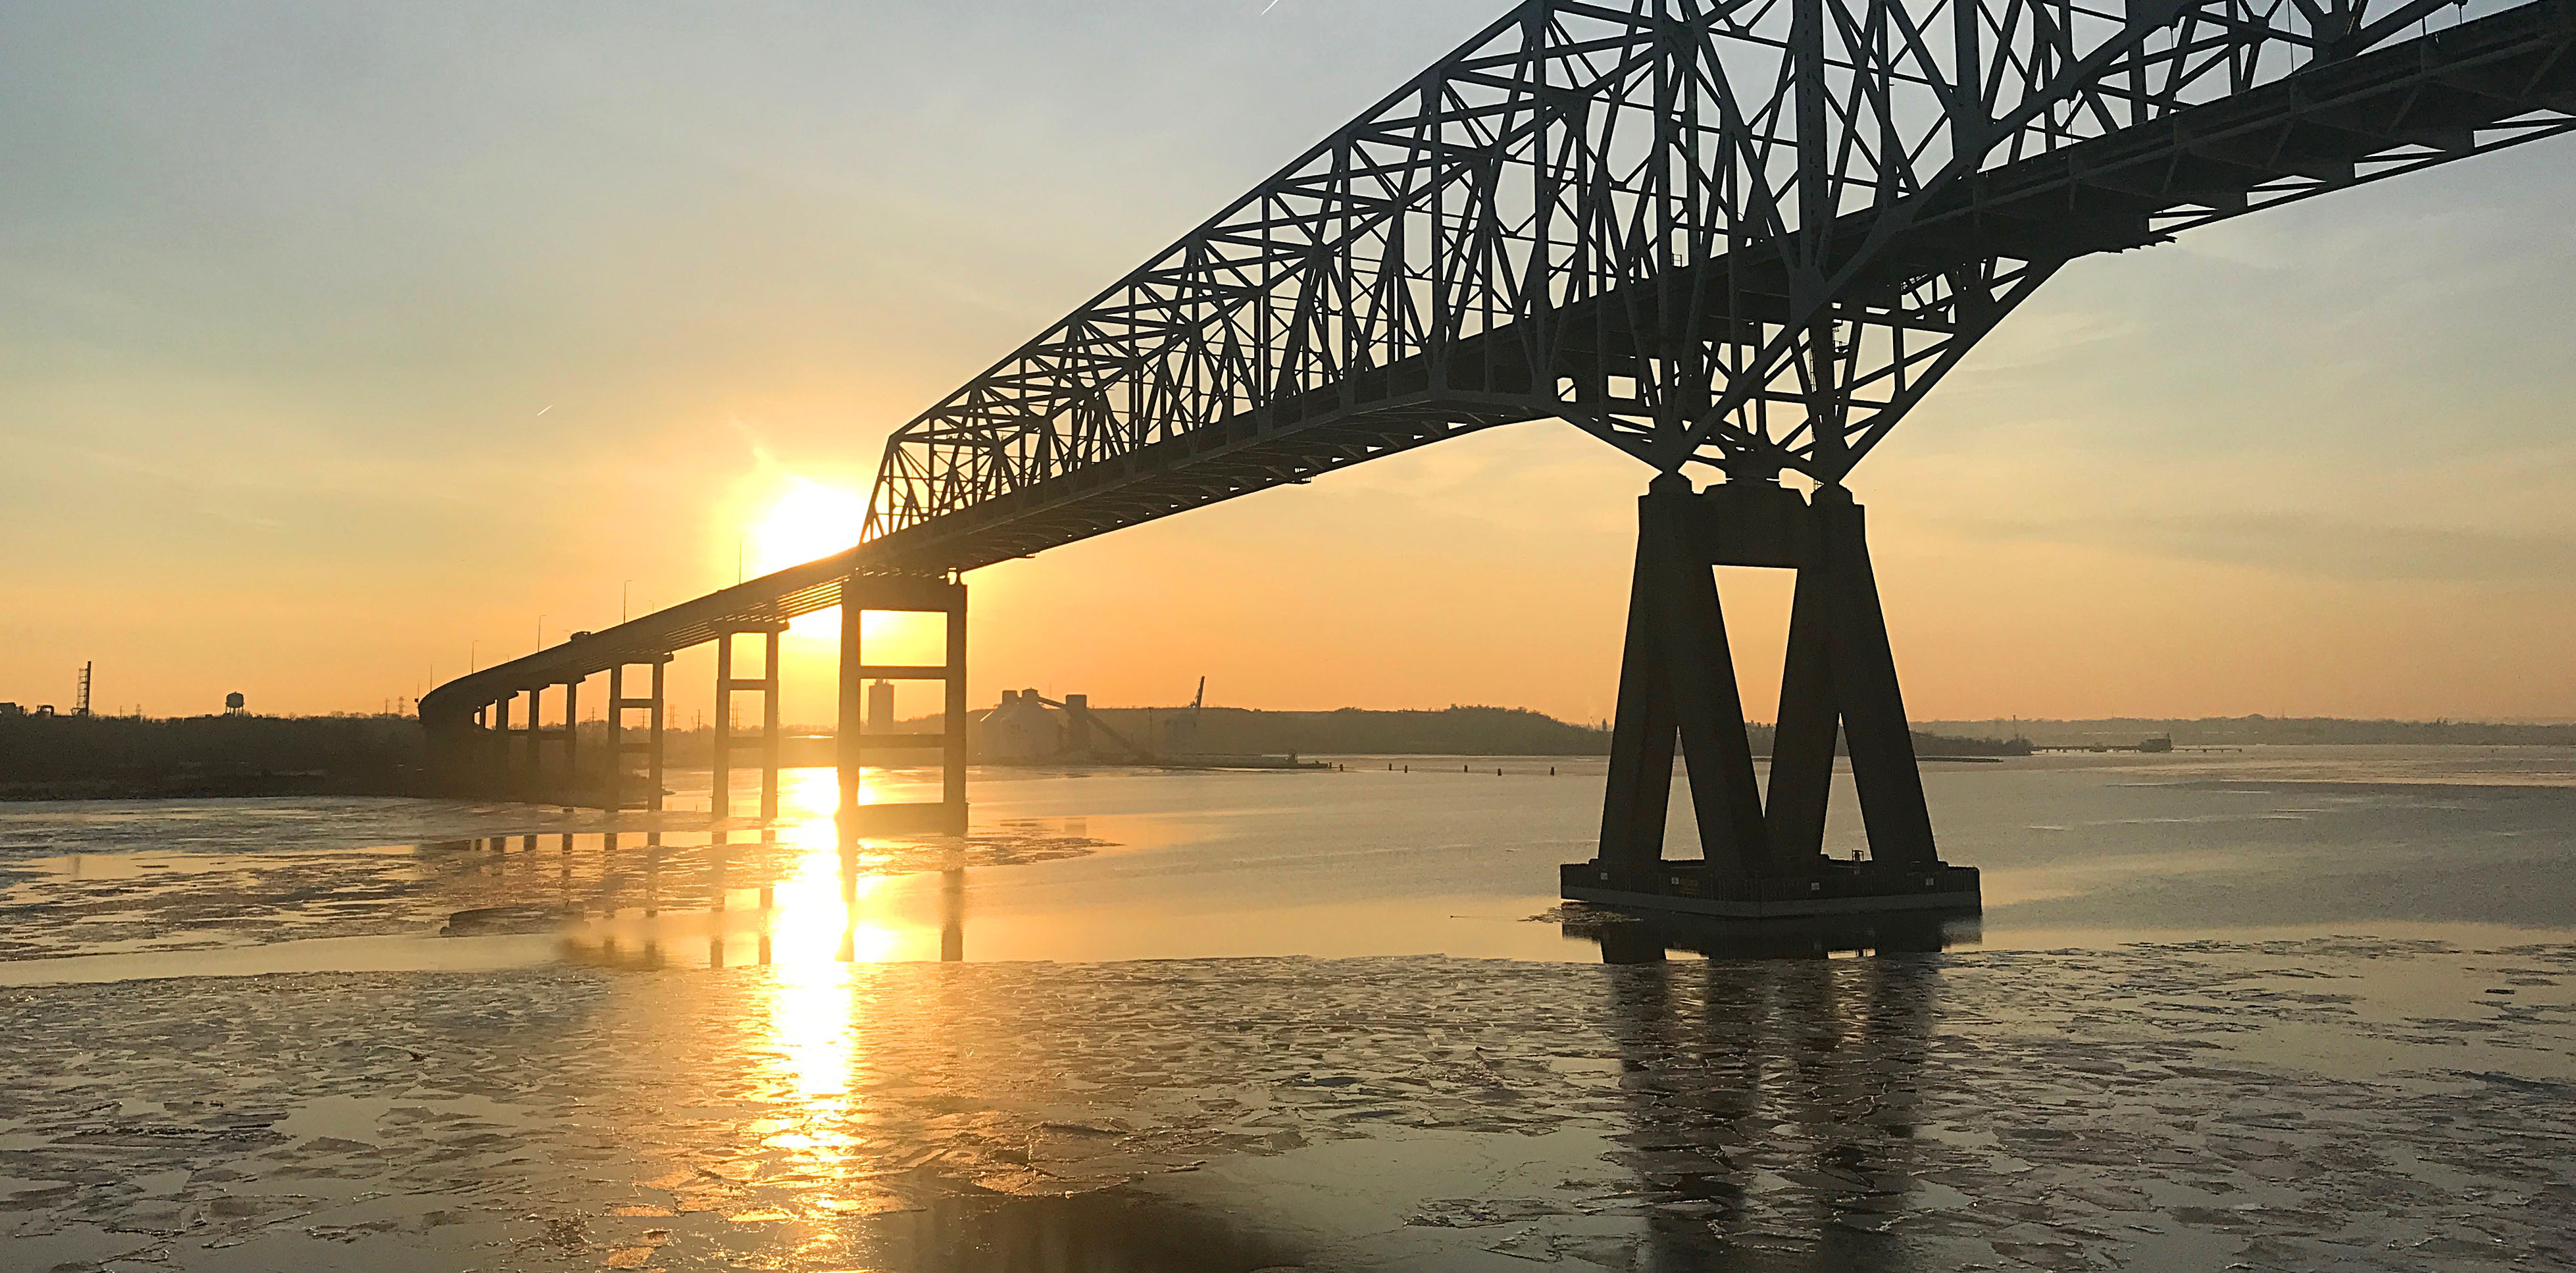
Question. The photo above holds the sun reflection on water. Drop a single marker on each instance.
(811, 1036)
(794, 895)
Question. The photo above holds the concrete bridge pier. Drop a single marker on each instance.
(566, 789)
(538, 780)
(720, 801)
(1677, 684)
(919, 594)
(650, 746)
(487, 767)
(530, 759)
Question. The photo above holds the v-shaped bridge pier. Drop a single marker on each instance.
(1760, 857)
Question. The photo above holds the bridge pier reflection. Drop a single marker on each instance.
(1776, 1107)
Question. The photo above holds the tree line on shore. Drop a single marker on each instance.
(71, 757)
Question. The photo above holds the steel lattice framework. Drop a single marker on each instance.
(1748, 236)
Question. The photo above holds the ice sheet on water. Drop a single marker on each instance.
(2157, 1106)
(232, 885)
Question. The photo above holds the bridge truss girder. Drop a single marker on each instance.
(1749, 237)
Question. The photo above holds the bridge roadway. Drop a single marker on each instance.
(1214, 372)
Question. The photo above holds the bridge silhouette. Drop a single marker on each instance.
(1736, 241)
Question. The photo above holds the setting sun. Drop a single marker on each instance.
(808, 520)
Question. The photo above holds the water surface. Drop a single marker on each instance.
(2291, 1008)
(1418, 855)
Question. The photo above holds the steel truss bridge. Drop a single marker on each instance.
(1738, 241)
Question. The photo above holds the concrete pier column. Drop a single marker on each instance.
(620, 746)
(849, 732)
(1638, 796)
(769, 728)
(653, 744)
(532, 754)
(570, 790)
(720, 755)
(1885, 774)
(495, 761)
(952, 769)
(612, 794)
(1678, 678)
(728, 685)
(860, 734)
(1677, 685)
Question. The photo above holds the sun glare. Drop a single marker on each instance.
(806, 521)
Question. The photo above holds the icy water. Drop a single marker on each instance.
(2288, 1008)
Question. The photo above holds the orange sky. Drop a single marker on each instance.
(390, 339)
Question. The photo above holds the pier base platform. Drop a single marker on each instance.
(1631, 936)
(1837, 888)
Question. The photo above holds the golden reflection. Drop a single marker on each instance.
(816, 928)
(820, 908)
(798, 897)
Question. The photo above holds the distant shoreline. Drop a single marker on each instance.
(2242, 731)
(128, 758)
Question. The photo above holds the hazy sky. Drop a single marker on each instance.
(341, 343)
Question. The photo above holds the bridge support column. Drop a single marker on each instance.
(492, 766)
(531, 755)
(720, 743)
(650, 746)
(570, 790)
(544, 783)
(920, 594)
(769, 726)
(720, 802)
(1677, 683)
